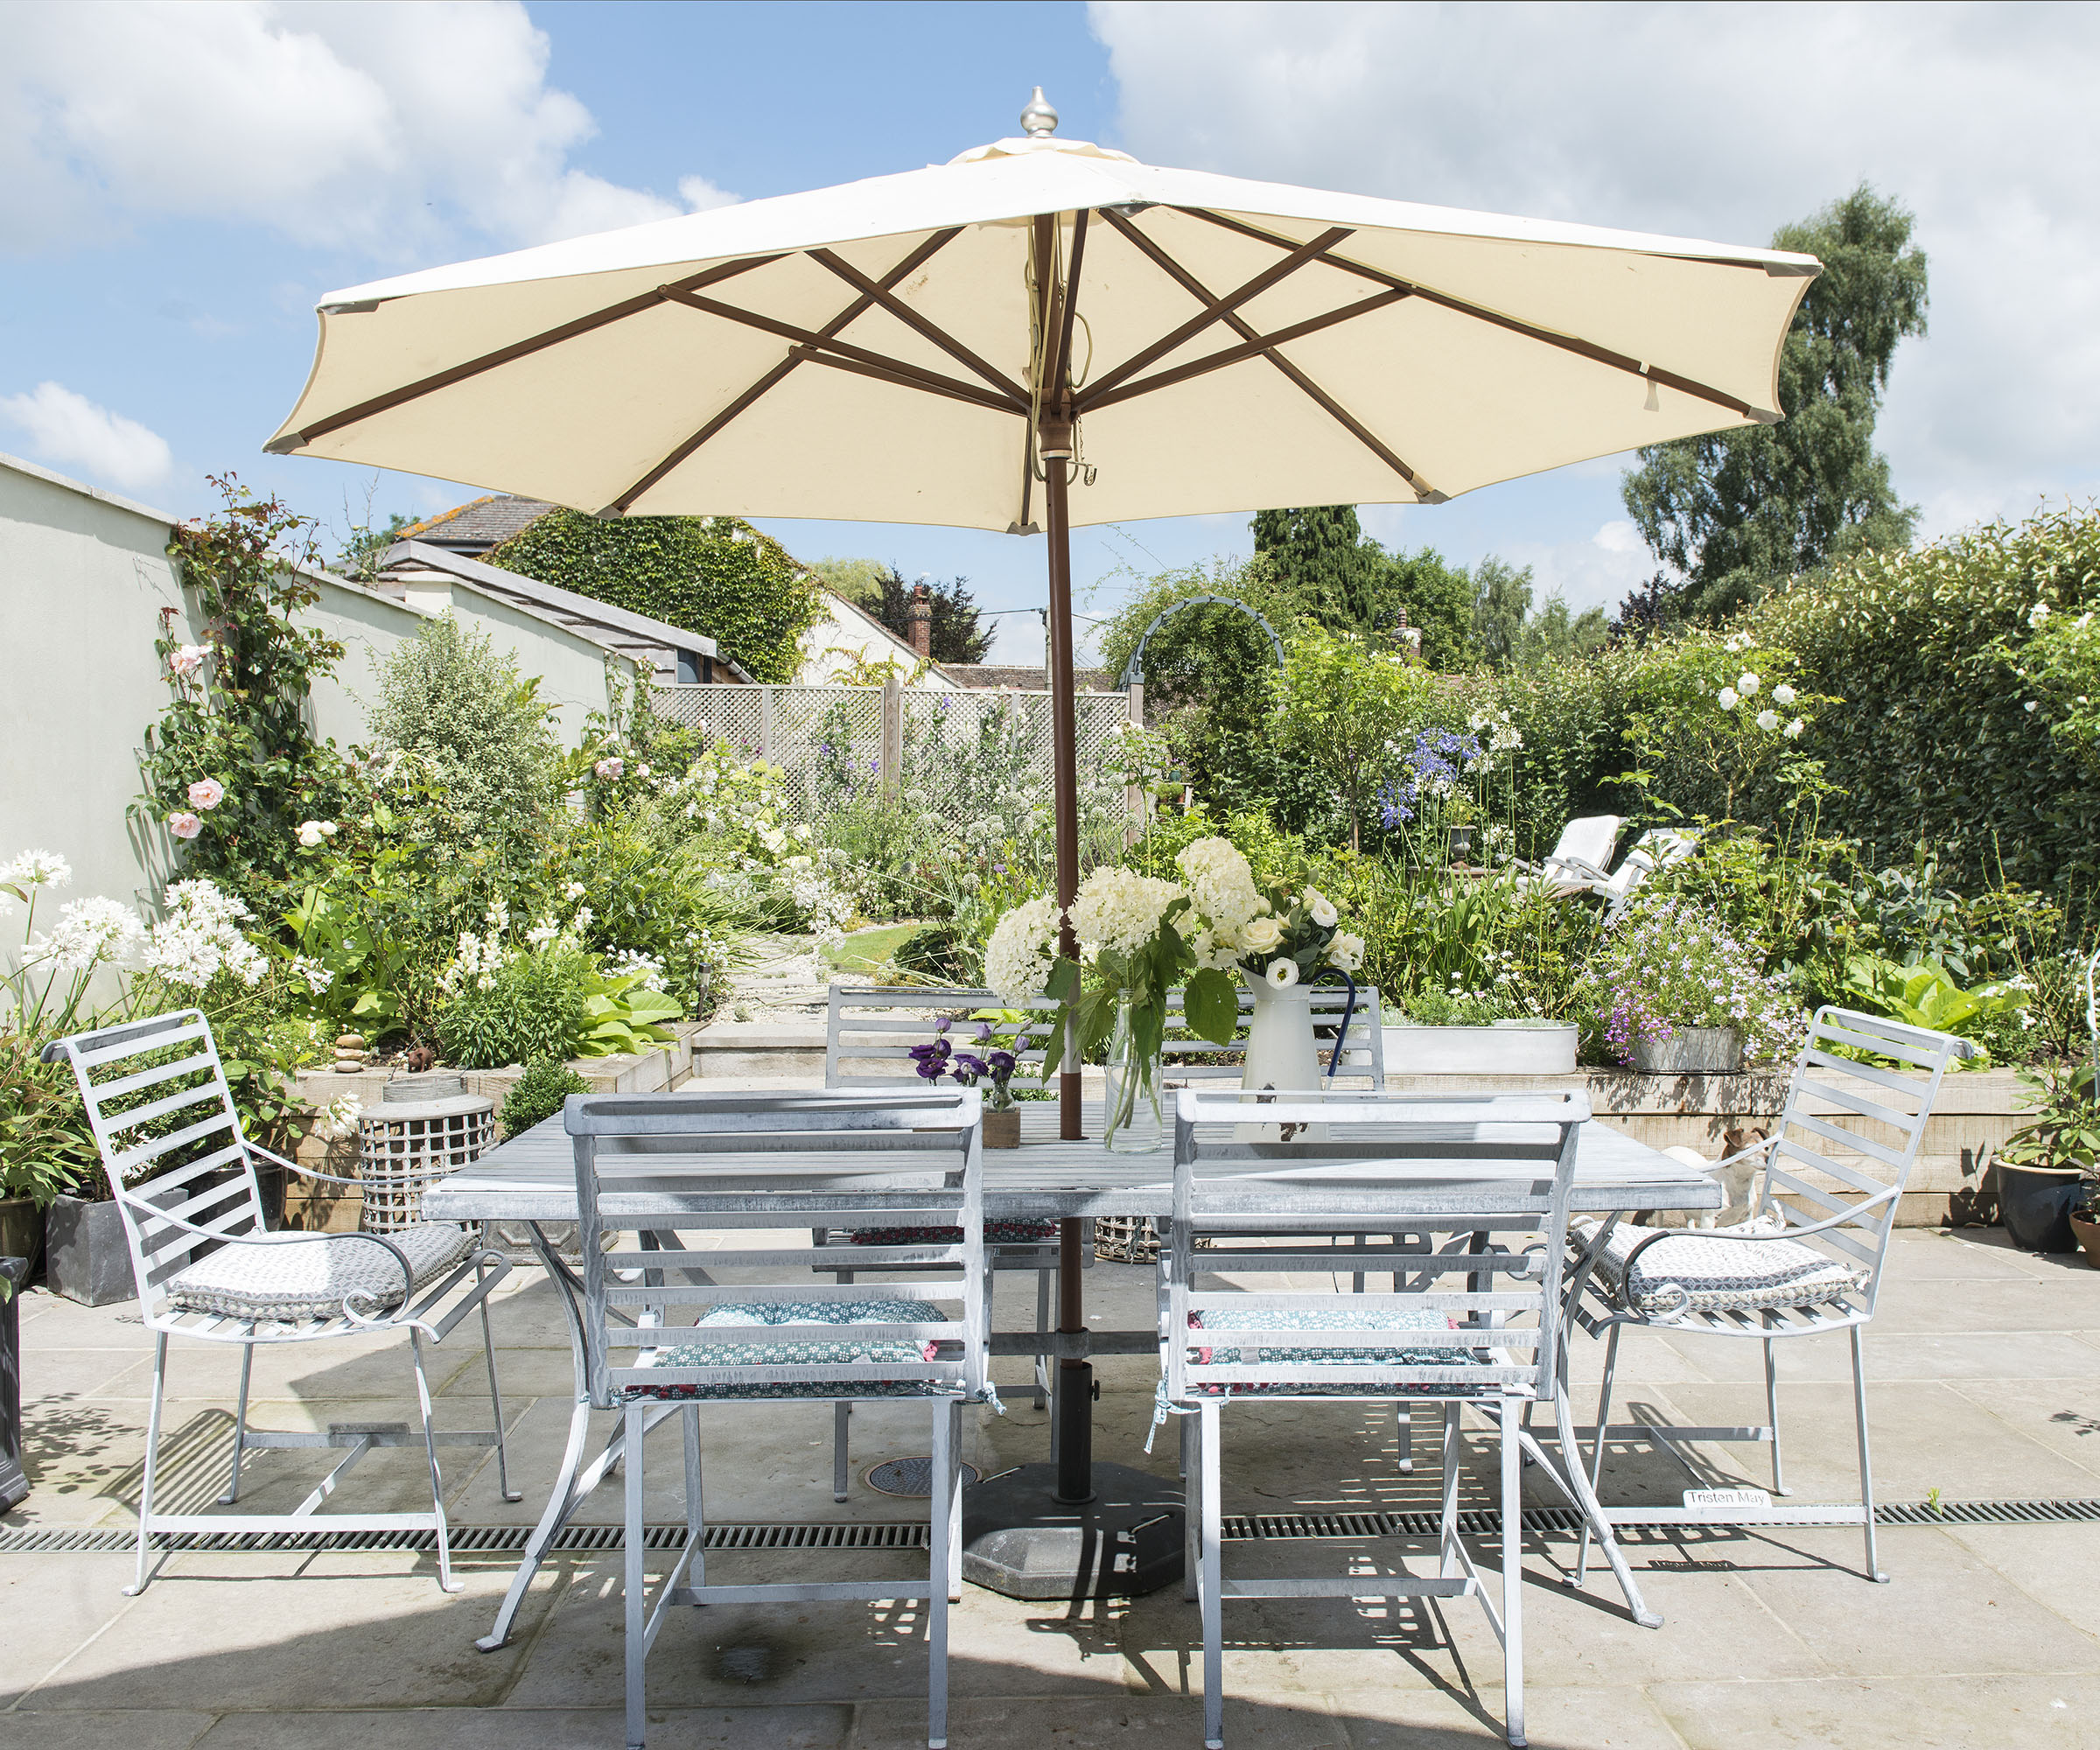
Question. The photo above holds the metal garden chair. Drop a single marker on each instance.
(1812, 1262)
(649, 1166)
(208, 1268)
(1473, 1194)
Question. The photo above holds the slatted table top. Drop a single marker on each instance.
(532, 1177)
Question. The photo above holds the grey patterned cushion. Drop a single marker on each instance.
(1719, 1274)
(1341, 1317)
(845, 1351)
(291, 1276)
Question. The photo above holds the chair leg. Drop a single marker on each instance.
(1866, 1463)
(1447, 1563)
(947, 1423)
(840, 1412)
(145, 1486)
(1404, 1436)
(696, 1516)
(495, 1397)
(1779, 1481)
(445, 1581)
(233, 1485)
(1191, 1508)
(636, 1603)
(1604, 1418)
(1043, 1280)
(1513, 1575)
(1214, 1622)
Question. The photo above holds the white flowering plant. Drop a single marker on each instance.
(1732, 708)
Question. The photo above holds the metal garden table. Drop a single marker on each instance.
(531, 1179)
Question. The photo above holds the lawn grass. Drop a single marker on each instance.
(869, 950)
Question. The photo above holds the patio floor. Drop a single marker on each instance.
(1985, 1365)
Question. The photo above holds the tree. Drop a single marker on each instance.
(1338, 703)
(1735, 512)
(1501, 600)
(1437, 597)
(1319, 552)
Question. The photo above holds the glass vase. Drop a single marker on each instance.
(1132, 1124)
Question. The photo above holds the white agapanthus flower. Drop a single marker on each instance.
(201, 937)
(1782, 694)
(1726, 698)
(91, 933)
(1321, 908)
(338, 1117)
(1022, 949)
(1767, 720)
(37, 869)
(1748, 683)
(1281, 975)
(1346, 951)
(1119, 910)
(318, 977)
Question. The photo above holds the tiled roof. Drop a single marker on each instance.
(1026, 680)
(473, 529)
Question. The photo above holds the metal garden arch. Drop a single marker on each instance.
(1133, 671)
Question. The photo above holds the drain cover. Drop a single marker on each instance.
(910, 1477)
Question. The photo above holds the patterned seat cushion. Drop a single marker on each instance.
(1717, 1273)
(1340, 1317)
(846, 1350)
(996, 1233)
(292, 1276)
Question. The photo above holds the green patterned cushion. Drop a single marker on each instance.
(845, 1351)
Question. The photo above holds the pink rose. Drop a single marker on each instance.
(610, 770)
(206, 792)
(184, 825)
(188, 658)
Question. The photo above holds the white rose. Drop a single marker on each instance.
(1321, 908)
(1746, 684)
(1282, 974)
(1792, 731)
(1726, 698)
(1262, 934)
(1767, 720)
(1782, 694)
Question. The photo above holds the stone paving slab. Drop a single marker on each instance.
(1988, 1635)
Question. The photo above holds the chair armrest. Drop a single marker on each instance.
(294, 1167)
(1579, 867)
(166, 1217)
(1741, 1154)
(1789, 1232)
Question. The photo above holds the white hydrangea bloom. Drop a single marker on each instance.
(1219, 883)
(1119, 909)
(1018, 957)
(91, 933)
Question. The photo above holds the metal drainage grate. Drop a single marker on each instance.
(910, 1534)
(910, 1478)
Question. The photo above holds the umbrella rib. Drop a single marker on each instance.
(504, 355)
(814, 342)
(1233, 355)
(1567, 343)
(1326, 402)
(1069, 295)
(912, 320)
(911, 264)
(1217, 309)
(905, 376)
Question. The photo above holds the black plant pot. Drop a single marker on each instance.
(2035, 1203)
(85, 1257)
(14, 1272)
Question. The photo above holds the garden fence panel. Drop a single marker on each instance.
(827, 741)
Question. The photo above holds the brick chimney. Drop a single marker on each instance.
(920, 615)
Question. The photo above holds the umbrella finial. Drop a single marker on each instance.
(1038, 120)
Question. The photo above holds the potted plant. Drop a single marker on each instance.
(1476, 1032)
(2046, 1168)
(1676, 993)
(45, 1147)
(991, 1063)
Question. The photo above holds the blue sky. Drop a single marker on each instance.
(179, 184)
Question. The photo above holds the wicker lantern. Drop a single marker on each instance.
(424, 1128)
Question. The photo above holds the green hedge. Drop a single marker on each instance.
(714, 575)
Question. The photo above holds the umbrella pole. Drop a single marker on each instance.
(1072, 1406)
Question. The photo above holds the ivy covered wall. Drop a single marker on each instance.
(714, 575)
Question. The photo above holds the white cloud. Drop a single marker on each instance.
(386, 128)
(68, 430)
(1718, 122)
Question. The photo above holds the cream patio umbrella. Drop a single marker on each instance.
(1040, 333)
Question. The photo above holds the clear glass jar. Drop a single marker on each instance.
(1133, 1124)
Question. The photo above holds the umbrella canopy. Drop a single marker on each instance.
(887, 350)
